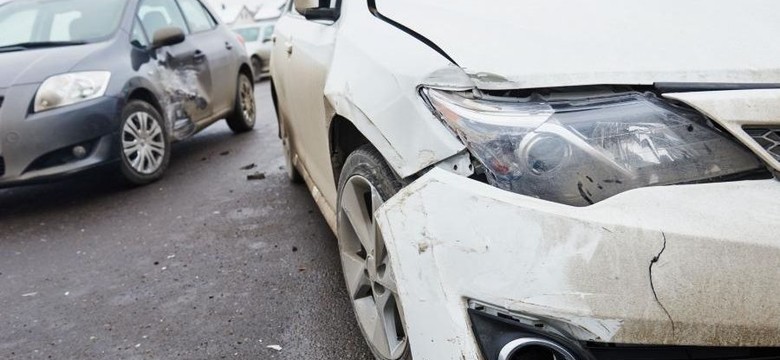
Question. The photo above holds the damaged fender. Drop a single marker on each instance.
(374, 86)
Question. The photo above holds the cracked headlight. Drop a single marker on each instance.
(579, 152)
(68, 89)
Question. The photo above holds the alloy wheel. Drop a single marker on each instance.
(370, 281)
(247, 99)
(143, 143)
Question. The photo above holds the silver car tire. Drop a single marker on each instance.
(144, 144)
(365, 183)
(244, 115)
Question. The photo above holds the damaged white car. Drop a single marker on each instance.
(524, 180)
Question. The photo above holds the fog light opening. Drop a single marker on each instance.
(79, 152)
(534, 349)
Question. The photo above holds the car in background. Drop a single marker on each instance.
(543, 180)
(257, 38)
(85, 84)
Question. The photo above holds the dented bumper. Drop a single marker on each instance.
(679, 265)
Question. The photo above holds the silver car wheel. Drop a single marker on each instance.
(370, 281)
(143, 143)
(247, 98)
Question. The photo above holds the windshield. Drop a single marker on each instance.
(249, 34)
(58, 21)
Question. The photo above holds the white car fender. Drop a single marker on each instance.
(373, 82)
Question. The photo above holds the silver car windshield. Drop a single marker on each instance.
(42, 23)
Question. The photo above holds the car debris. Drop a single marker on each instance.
(256, 176)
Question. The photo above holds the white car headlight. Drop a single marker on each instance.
(72, 88)
(581, 151)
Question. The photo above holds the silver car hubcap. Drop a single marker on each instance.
(246, 95)
(370, 281)
(143, 143)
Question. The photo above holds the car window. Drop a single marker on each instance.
(158, 14)
(61, 26)
(59, 20)
(197, 17)
(137, 37)
(268, 32)
(22, 22)
(249, 34)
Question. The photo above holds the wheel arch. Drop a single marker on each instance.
(344, 138)
(148, 96)
(246, 70)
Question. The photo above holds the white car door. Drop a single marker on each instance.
(303, 52)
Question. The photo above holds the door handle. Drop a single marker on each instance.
(199, 56)
(288, 46)
(228, 46)
(273, 39)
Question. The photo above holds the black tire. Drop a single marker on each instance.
(129, 173)
(257, 68)
(244, 114)
(287, 142)
(368, 163)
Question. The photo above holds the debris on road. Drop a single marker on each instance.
(275, 347)
(249, 167)
(30, 294)
(256, 176)
(224, 153)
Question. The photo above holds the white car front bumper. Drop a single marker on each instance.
(675, 265)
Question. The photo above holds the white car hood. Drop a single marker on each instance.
(544, 43)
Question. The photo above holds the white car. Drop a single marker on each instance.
(524, 180)
(257, 39)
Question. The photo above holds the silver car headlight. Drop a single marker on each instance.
(72, 88)
(579, 152)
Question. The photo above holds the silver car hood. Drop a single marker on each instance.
(545, 43)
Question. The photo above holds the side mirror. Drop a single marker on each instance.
(311, 10)
(302, 6)
(167, 36)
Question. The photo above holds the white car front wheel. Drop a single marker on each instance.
(366, 182)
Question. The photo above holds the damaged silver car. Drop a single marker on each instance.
(543, 180)
(89, 83)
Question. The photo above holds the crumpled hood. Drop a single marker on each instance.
(545, 43)
(34, 66)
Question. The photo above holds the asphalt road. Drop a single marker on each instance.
(201, 265)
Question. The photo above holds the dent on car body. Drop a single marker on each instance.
(183, 93)
(387, 105)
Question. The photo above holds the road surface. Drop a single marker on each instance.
(201, 265)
